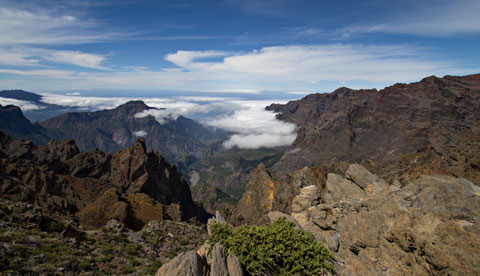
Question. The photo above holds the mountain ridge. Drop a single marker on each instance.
(354, 125)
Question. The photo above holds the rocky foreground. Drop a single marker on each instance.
(92, 213)
(428, 226)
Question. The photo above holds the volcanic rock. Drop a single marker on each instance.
(132, 186)
(428, 227)
(355, 125)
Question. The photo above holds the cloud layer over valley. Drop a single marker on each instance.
(250, 124)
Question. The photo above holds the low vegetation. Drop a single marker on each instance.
(274, 249)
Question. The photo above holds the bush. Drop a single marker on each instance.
(274, 249)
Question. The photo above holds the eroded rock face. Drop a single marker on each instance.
(428, 227)
(214, 263)
(185, 264)
(132, 186)
(355, 125)
(266, 192)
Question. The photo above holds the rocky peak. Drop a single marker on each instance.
(132, 186)
(133, 107)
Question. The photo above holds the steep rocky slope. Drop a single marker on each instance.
(132, 186)
(355, 125)
(14, 123)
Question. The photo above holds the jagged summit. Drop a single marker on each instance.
(133, 186)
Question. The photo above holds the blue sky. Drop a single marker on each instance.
(246, 47)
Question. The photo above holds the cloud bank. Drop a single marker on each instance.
(252, 125)
(24, 105)
(255, 127)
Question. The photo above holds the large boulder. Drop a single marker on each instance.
(185, 264)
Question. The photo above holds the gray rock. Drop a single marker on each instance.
(309, 196)
(361, 176)
(219, 217)
(339, 188)
(185, 264)
(234, 266)
(219, 261)
(369, 182)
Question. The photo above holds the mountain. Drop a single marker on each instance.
(62, 211)
(14, 123)
(21, 95)
(44, 111)
(355, 125)
(132, 186)
(113, 129)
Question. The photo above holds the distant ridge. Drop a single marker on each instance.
(355, 125)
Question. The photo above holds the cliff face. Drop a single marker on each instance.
(355, 125)
(132, 186)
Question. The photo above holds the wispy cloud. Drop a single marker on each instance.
(40, 25)
(426, 18)
(76, 58)
(27, 56)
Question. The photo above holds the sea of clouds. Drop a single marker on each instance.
(250, 124)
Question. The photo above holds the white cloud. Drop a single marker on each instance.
(16, 58)
(427, 18)
(161, 115)
(255, 126)
(26, 56)
(24, 105)
(279, 68)
(255, 141)
(76, 58)
(186, 58)
(298, 93)
(91, 103)
(41, 73)
(140, 133)
(33, 23)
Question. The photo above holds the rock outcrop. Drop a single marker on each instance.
(428, 227)
(206, 261)
(132, 186)
(266, 192)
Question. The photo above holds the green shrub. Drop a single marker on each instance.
(128, 270)
(84, 264)
(274, 249)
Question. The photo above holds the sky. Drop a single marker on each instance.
(236, 50)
